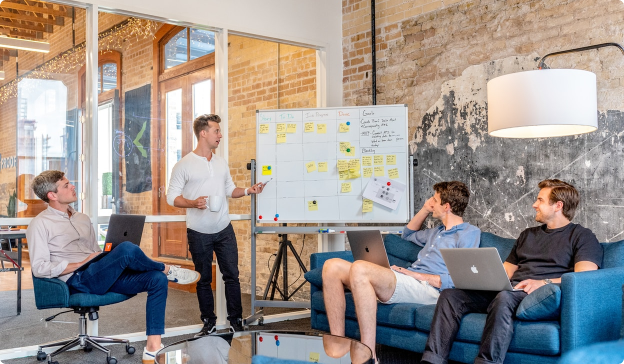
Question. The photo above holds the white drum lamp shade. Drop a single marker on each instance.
(542, 103)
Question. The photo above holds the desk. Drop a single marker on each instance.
(19, 235)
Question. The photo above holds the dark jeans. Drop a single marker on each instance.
(127, 270)
(453, 304)
(224, 246)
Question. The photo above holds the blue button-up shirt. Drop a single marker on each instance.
(430, 260)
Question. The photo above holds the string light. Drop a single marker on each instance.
(120, 37)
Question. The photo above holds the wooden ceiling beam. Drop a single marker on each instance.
(46, 28)
(35, 9)
(32, 18)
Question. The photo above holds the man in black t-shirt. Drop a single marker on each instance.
(540, 256)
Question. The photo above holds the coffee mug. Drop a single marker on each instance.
(214, 203)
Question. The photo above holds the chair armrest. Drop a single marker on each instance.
(318, 259)
(50, 293)
(591, 307)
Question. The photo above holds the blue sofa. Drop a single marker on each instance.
(591, 309)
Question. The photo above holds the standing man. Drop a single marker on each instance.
(420, 283)
(196, 176)
(540, 256)
(61, 239)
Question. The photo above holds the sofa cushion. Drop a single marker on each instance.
(503, 245)
(540, 338)
(315, 277)
(401, 315)
(613, 254)
(401, 252)
(543, 304)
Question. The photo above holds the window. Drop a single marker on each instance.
(187, 44)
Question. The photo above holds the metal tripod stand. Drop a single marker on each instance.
(282, 260)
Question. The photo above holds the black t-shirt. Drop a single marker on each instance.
(542, 253)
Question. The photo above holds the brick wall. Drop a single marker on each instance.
(258, 79)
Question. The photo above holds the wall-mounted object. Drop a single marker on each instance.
(24, 44)
(545, 102)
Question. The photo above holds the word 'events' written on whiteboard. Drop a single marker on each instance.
(320, 160)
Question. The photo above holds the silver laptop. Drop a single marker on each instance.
(479, 269)
(368, 245)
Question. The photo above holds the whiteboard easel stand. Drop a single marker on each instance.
(258, 315)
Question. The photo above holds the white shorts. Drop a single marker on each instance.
(411, 290)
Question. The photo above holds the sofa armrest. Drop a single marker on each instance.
(591, 307)
(318, 259)
(50, 293)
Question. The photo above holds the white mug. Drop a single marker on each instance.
(214, 203)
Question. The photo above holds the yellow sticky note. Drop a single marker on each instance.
(378, 160)
(367, 160)
(314, 357)
(264, 128)
(343, 128)
(281, 138)
(391, 159)
(343, 165)
(354, 164)
(354, 173)
(345, 187)
(291, 129)
(311, 166)
(344, 146)
(342, 175)
(308, 128)
(321, 128)
(267, 171)
(393, 173)
(312, 205)
(322, 166)
(379, 171)
(281, 128)
(350, 152)
(367, 205)
(368, 172)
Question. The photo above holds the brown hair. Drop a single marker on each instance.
(201, 122)
(454, 193)
(564, 192)
(46, 182)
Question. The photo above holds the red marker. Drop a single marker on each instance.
(388, 183)
(275, 218)
(260, 217)
(260, 339)
(276, 337)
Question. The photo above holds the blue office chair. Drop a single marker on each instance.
(54, 293)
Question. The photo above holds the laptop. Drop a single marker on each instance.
(479, 269)
(368, 245)
(121, 228)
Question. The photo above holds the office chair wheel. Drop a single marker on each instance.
(87, 348)
(41, 356)
(130, 349)
(111, 360)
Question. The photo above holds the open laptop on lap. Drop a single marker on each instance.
(368, 245)
(120, 228)
(479, 269)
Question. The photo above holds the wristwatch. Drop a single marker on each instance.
(547, 281)
(246, 193)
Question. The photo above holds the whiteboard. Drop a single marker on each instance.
(303, 153)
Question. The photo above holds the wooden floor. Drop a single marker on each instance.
(8, 280)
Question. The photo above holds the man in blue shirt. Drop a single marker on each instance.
(420, 283)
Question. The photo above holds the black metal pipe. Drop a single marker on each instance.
(542, 64)
(373, 54)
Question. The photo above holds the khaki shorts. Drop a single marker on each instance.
(411, 290)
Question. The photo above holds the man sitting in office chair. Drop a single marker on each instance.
(420, 283)
(61, 239)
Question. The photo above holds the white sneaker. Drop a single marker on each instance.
(182, 275)
(149, 356)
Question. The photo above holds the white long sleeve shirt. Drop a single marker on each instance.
(195, 176)
(55, 239)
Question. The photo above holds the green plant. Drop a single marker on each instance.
(107, 183)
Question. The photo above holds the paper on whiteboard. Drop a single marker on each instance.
(384, 191)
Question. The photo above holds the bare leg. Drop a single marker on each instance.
(335, 279)
(368, 282)
(153, 342)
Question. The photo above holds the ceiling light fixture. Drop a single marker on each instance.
(24, 44)
(545, 102)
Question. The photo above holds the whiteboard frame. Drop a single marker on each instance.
(407, 203)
